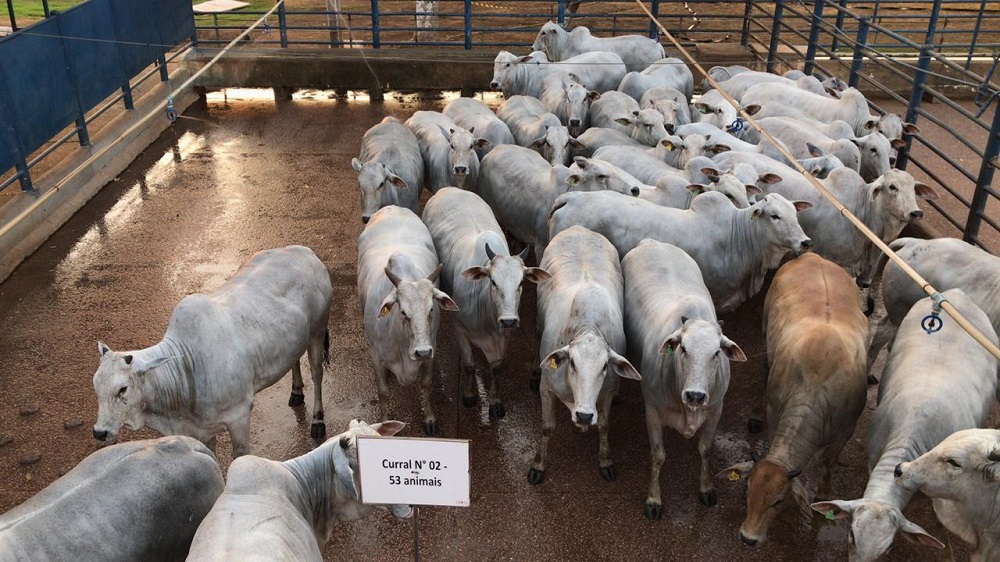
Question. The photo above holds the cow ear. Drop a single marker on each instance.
(711, 173)
(554, 359)
(898, 144)
(834, 509)
(736, 471)
(718, 148)
(102, 349)
(143, 366)
(481, 143)
(344, 473)
(574, 179)
(536, 274)
(801, 495)
(622, 367)
(703, 108)
(801, 205)
(671, 343)
(911, 128)
(397, 181)
(356, 164)
(769, 179)
(696, 188)
(576, 144)
(476, 273)
(924, 191)
(581, 162)
(594, 96)
(732, 351)
(753, 190)
(388, 428)
(444, 301)
(624, 121)
(525, 58)
(814, 150)
(757, 211)
(668, 144)
(537, 142)
(752, 109)
(915, 533)
(871, 125)
(386, 307)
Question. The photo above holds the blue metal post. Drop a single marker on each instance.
(772, 50)
(654, 31)
(10, 14)
(375, 31)
(932, 24)
(986, 169)
(74, 80)
(814, 35)
(560, 12)
(747, 10)
(841, 12)
(23, 175)
(127, 96)
(45, 9)
(282, 25)
(975, 35)
(468, 25)
(161, 61)
(860, 44)
(916, 96)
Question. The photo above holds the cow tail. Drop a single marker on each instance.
(326, 347)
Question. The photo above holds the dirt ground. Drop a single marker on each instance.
(233, 178)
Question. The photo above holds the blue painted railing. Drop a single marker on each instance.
(55, 71)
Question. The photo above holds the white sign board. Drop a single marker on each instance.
(413, 471)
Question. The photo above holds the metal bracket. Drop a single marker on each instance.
(984, 94)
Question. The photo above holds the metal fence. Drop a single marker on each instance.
(55, 73)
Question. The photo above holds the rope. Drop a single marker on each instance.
(905, 267)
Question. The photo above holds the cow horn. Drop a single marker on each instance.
(994, 455)
(524, 253)
(490, 254)
(345, 441)
(434, 274)
(392, 276)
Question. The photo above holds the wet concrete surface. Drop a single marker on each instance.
(234, 178)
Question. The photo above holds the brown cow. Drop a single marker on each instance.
(816, 336)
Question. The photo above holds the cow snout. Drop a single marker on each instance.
(915, 215)
(365, 218)
(806, 244)
(574, 122)
(423, 352)
(508, 322)
(899, 470)
(748, 541)
(635, 191)
(461, 169)
(584, 419)
(100, 434)
(693, 397)
(669, 127)
(892, 161)
(494, 85)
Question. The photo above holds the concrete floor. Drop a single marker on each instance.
(234, 178)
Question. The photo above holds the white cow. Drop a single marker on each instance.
(582, 339)
(534, 127)
(520, 187)
(141, 500)
(735, 248)
(668, 72)
(712, 108)
(961, 477)
(637, 51)
(401, 304)
(474, 115)
(514, 75)
(945, 263)
(615, 110)
(390, 168)
(484, 280)
(449, 151)
(934, 385)
(671, 103)
(674, 336)
(219, 350)
(287, 510)
(568, 100)
(851, 107)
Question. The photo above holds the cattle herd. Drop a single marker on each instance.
(648, 213)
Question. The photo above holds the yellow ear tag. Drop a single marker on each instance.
(385, 310)
(734, 476)
(552, 364)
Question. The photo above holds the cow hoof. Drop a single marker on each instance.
(535, 476)
(431, 427)
(872, 381)
(497, 411)
(609, 474)
(318, 430)
(709, 498)
(654, 511)
(296, 399)
(469, 401)
(755, 425)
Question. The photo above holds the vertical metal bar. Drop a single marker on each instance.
(23, 174)
(747, 10)
(860, 44)
(986, 169)
(560, 12)
(975, 35)
(45, 9)
(161, 61)
(817, 18)
(375, 30)
(468, 25)
(654, 30)
(10, 14)
(841, 12)
(282, 25)
(772, 50)
(916, 96)
(74, 80)
(932, 24)
(127, 96)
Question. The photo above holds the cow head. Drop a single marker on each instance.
(585, 362)
(463, 162)
(503, 66)
(343, 449)
(556, 145)
(549, 40)
(729, 185)
(671, 112)
(895, 195)
(593, 174)
(769, 485)
(118, 385)
(413, 303)
(964, 466)
(873, 527)
(875, 154)
(505, 274)
(375, 179)
(778, 224)
(577, 99)
(648, 127)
